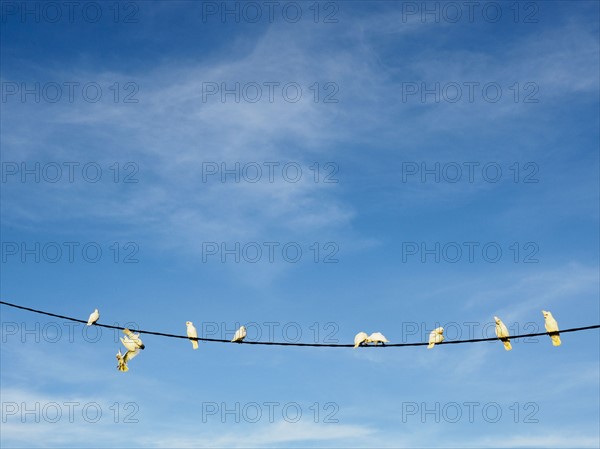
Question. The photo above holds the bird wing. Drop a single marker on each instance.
(238, 335)
(192, 332)
(359, 338)
(128, 343)
(93, 318)
(501, 330)
(129, 355)
(551, 325)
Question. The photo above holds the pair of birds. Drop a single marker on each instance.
(133, 343)
(549, 323)
(192, 334)
(362, 339)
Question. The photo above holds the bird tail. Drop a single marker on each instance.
(555, 339)
(430, 345)
(194, 344)
(89, 323)
(507, 344)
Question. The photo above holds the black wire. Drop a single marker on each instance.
(326, 345)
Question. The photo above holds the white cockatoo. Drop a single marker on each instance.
(132, 341)
(502, 333)
(121, 365)
(436, 336)
(94, 316)
(377, 337)
(192, 333)
(551, 327)
(122, 360)
(360, 339)
(240, 334)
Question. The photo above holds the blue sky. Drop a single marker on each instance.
(372, 224)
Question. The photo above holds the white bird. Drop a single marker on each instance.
(192, 333)
(122, 360)
(502, 333)
(360, 339)
(377, 337)
(121, 365)
(132, 341)
(94, 316)
(240, 334)
(551, 327)
(129, 344)
(436, 336)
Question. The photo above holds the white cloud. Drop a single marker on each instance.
(269, 435)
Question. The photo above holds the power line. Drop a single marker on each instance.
(270, 343)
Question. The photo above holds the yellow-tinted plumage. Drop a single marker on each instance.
(551, 327)
(360, 339)
(436, 336)
(192, 333)
(502, 333)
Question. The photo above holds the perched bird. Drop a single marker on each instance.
(132, 341)
(377, 337)
(502, 333)
(436, 336)
(360, 339)
(94, 316)
(551, 327)
(240, 334)
(192, 333)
